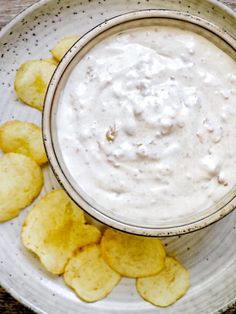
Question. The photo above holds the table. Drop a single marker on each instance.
(8, 9)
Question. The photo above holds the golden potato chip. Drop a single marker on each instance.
(55, 228)
(166, 287)
(21, 181)
(32, 80)
(23, 138)
(52, 61)
(89, 275)
(63, 46)
(132, 256)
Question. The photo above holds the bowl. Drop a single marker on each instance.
(145, 226)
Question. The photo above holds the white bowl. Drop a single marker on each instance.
(188, 223)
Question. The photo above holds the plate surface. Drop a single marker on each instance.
(209, 254)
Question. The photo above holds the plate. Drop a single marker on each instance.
(209, 254)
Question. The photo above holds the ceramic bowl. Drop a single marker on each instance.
(148, 227)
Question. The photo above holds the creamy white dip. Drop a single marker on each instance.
(147, 123)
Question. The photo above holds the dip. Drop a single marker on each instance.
(147, 123)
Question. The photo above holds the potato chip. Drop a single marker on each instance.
(23, 138)
(55, 228)
(89, 275)
(32, 80)
(63, 46)
(132, 256)
(166, 287)
(21, 181)
(52, 61)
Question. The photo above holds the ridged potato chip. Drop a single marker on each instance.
(21, 181)
(89, 275)
(55, 228)
(24, 138)
(32, 80)
(63, 46)
(166, 287)
(132, 256)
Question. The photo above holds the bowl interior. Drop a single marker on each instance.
(140, 225)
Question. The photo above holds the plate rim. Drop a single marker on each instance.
(3, 31)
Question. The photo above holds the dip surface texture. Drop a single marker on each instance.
(147, 123)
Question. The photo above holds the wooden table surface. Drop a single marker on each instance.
(8, 9)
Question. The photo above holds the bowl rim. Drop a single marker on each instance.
(207, 220)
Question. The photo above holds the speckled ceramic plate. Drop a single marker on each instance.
(209, 254)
